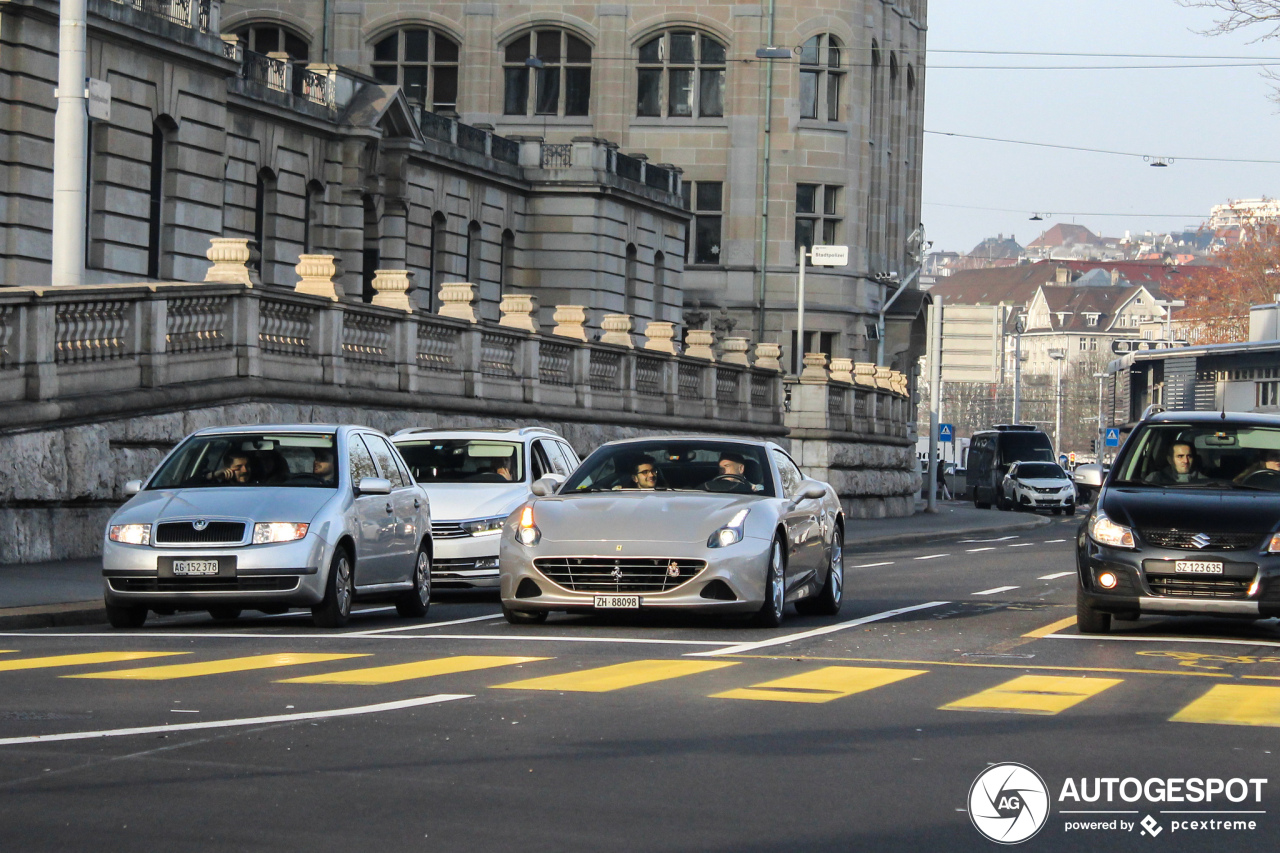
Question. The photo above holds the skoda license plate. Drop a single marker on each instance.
(617, 602)
(1202, 567)
(195, 567)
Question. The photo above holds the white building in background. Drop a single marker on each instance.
(1244, 211)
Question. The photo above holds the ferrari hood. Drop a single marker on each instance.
(635, 516)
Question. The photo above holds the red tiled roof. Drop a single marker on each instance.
(1064, 234)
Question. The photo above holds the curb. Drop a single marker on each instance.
(54, 615)
(938, 535)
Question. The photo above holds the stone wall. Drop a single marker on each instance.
(873, 480)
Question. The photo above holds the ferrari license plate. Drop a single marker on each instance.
(1202, 567)
(617, 602)
(195, 567)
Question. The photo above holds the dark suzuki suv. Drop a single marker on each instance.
(1186, 523)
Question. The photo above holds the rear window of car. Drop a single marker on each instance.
(303, 460)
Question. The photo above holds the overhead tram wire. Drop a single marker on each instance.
(1099, 150)
(1057, 215)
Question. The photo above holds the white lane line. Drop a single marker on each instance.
(244, 721)
(994, 590)
(1051, 541)
(422, 625)
(1202, 640)
(976, 550)
(1019, 544)
(872, 565)
(1054, 576)
(997, 539)
(931, 556)
(493, 637)
(816, 632)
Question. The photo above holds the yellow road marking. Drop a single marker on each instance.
(77, 660)
(1033, 694)
(606, 678)
(1234, 705)
(408, 671)
(213, 667)
(1052, 627)
(999, 665)
(821, 685)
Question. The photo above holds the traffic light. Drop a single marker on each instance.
(1093, 445)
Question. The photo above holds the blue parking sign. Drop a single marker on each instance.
(1113, 437)
(946, 431)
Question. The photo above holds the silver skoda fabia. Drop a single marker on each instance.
(715, 525)
(269, 518)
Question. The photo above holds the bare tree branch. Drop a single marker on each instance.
(1237, 15)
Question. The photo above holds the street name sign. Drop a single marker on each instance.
(98, 93)
(829, 256)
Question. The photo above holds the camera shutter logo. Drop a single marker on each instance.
(1008, 803)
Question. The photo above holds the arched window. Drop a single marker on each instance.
(659, 283)
(508, 258)
(821, 77)
(439, 228)
(273, 38)
(681, 73)
(633, 305)
(563, 79)
(155, 218)
(424, 63)
(264, 197)
(311, 217)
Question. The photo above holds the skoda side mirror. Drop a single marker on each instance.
(373, 486)
(544, 486)
(132, 487)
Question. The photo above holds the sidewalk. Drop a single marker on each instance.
(954, 518)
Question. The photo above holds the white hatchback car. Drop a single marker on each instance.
(1038, 485)
(476, 478)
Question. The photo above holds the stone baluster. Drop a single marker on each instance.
(882, 378)
(391, 289)
(317, 275)
(457, 300)
(233, 261)
(660, 337)
(617, 330)
(865, 374)
(571, 321)
(815, 369)
(698, 343)
(518, 311)
(767, 355)
(734, 350)
(842, 370)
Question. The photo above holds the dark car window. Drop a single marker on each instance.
(1024, 446)
(788, 471)
(386, 460)
(1041, 471)
(1220, 456)
(681, 464)
(463, 460)
(250, 459)
(361, 462)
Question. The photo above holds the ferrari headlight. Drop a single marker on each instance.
(484, 526)
(268, 532)
(731, 533)
(1106, 532)
(527, 532)
(130, 534)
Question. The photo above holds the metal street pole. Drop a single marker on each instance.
(1058, 356)
(70, 144)
(1017, 369)
(1102, 428)
(935, 397)
(766, 53)
(799, 348)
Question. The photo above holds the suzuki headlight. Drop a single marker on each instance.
(130, 534)
(1273, 547)
(484, 526)
(269, 532)
(527, 532)
(731, 533)
(1106, 532)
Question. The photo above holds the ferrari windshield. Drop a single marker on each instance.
(1185, 456)
(250, 459)
(682, 465)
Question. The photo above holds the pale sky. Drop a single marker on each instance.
(1167, 112)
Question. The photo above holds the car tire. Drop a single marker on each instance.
(1090, 620)
(1057, 510)
(977, 504)
(524, 617)
(828, 600)
(415, 602)
(775, 589)
(1071, 510)
(1002, 503)
(224, 612)
(126, 615)
(334, 609)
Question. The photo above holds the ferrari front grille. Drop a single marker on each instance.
(618, 574)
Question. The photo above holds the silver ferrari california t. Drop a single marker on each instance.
(695, 523)
(268, 518)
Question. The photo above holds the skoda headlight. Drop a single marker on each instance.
(268, 532)
(731, 533)
(484, 526)
(130, 534)
(527, 532)
(1106, 532)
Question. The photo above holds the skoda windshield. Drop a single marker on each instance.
(687, 465)
(463, 460)
(250, 459)
(1220, 456)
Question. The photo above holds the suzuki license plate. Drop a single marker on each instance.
(617, 602)
(195, 567)
(1200, 567)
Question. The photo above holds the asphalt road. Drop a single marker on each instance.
(655, 732)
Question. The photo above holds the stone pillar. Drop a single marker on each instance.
(882, 378)
(865, 374)
(570, 322)
(842, 370)
(232, 259)
(316, 276)
(815, 369)
(617, 330)
(897, 382)
(518, 311)
(659, 337)
(767, 355)
(391, 289)
(457, 299)
(698, 343)
(734, 350)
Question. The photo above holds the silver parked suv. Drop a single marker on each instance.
(476, 478)
(270, 517)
